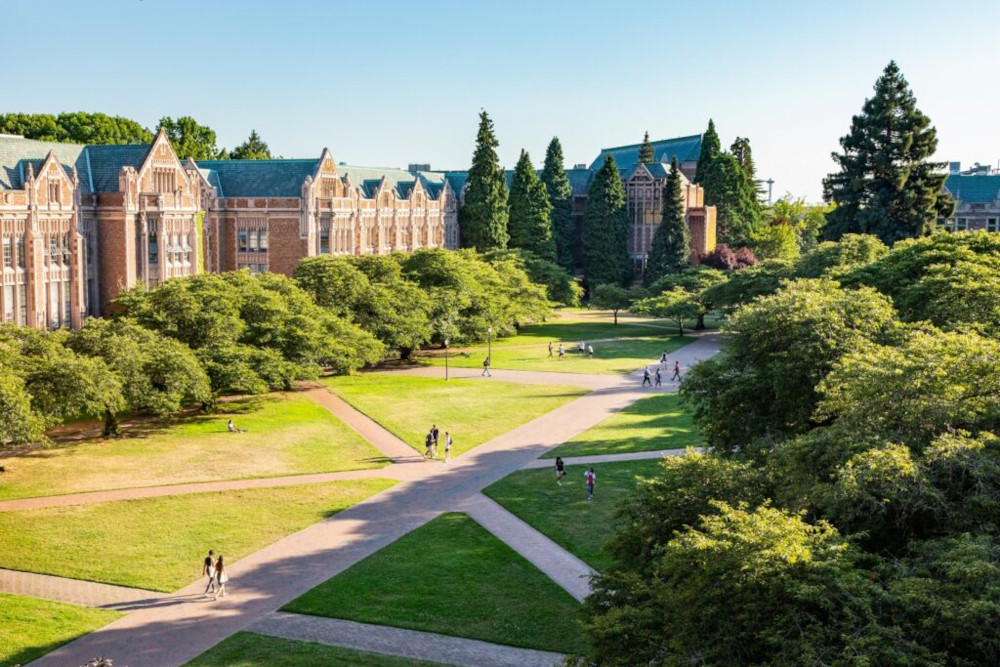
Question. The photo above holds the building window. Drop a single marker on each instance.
(8, 303)
(324, 241)
(962, 225)
(175, 249)
(186, 247)
(19, 247)
(992, 226)
(262, 240)
(154, 249)
(8, 253)
(22, 305)
(54, 192)
(164, 180)
(241, 241)
(252, 237)
(54, 305)
(65, 248)
(67, 303)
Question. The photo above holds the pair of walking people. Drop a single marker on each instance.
(590, 477)
(215, 570)
(647, 377)
(431, 443)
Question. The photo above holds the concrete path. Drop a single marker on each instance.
(174, 630)
(74, 591)
(404, 643)
(606, 458)
(387, 443)
(559, 565)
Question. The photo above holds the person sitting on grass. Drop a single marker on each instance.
(233, 429)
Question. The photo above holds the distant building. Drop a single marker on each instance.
(977, 197)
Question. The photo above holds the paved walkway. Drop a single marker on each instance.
(74, 591)
(606, 458)
(387, 443)
(177, 628)
(404, 643)
(559, 565)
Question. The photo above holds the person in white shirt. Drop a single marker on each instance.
(591, 478)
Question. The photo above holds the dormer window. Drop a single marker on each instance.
(54, 192)
(164, 181)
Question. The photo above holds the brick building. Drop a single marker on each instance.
(977, 197)
(79, 224)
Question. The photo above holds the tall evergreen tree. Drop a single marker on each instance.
(483, 218)
(646, 153)
(730, 190)
(254, 148)
(605, 228)
(530, 221)
(744, 155)
(670, 251)
(887, 185)
(561, 197)
(710, 147)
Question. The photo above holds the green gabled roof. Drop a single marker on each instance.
(579, 180)
(106, 163)
(401, 180)
(974, 189)
(685, 149)
(259, 178)
(16, 153)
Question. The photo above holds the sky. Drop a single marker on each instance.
(389, 83)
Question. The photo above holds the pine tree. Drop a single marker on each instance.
(561, 197)
(710, 147)
(483, 218)
(254, 148)
(646, 153)
(670, 251)
(887, 185)
(530, 219)
(730, 190)
(605, 228)
(744, 155)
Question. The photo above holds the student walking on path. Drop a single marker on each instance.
(429, 445)
(434, 445)
(659, 380)
(560, 470)
(590, 351)
(645, 377)
(677, 371)
(663, 359)
(591, 477)
(447, 447)
(486, 367)
(208, 569)
(550, 349)
(221, 576)
(562, 351)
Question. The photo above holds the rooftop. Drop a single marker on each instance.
(974, 188)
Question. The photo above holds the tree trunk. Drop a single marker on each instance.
(616, 317)
(405, 352)
(111, 426)
(700, 324)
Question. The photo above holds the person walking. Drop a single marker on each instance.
(590, 351)
(663, 359)
(221, 576)
(562, 351)
(486, 367)
(659, 380)
(560, 470)
(429, 445)
(591, 477)
(208, 569)
(582, 348)
(550, 349)
(677, 371)
(447, 447)
(645, 377)
(434, 445)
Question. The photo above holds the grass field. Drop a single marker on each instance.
(658, 422)
(472, 411)
(452, 577)
(617, 357)
(245, 649)
(158, 543)
(563, 513)
(30, 628)
(287, 434)
(571, 325)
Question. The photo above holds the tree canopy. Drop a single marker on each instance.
(191, 139)
(560, 196)
(77, 127)
(529, 221)
(254, 148)
(605, 228)
(887, 184)
(670, 250)
(483, 216)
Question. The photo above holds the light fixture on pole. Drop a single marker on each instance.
(489, 345)
(446, 359)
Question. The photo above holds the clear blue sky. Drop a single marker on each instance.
(387, 83)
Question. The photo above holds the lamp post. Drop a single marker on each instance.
(489, 344)
(446, 359)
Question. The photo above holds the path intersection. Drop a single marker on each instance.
(169, 630)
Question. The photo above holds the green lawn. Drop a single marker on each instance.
(30, 628)
(287, 434)
(571, 325)
(245, 649)
(563, 513)
(471, 410)
(452, 577)
(657, 422)
(610, 358)
(158, 543)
